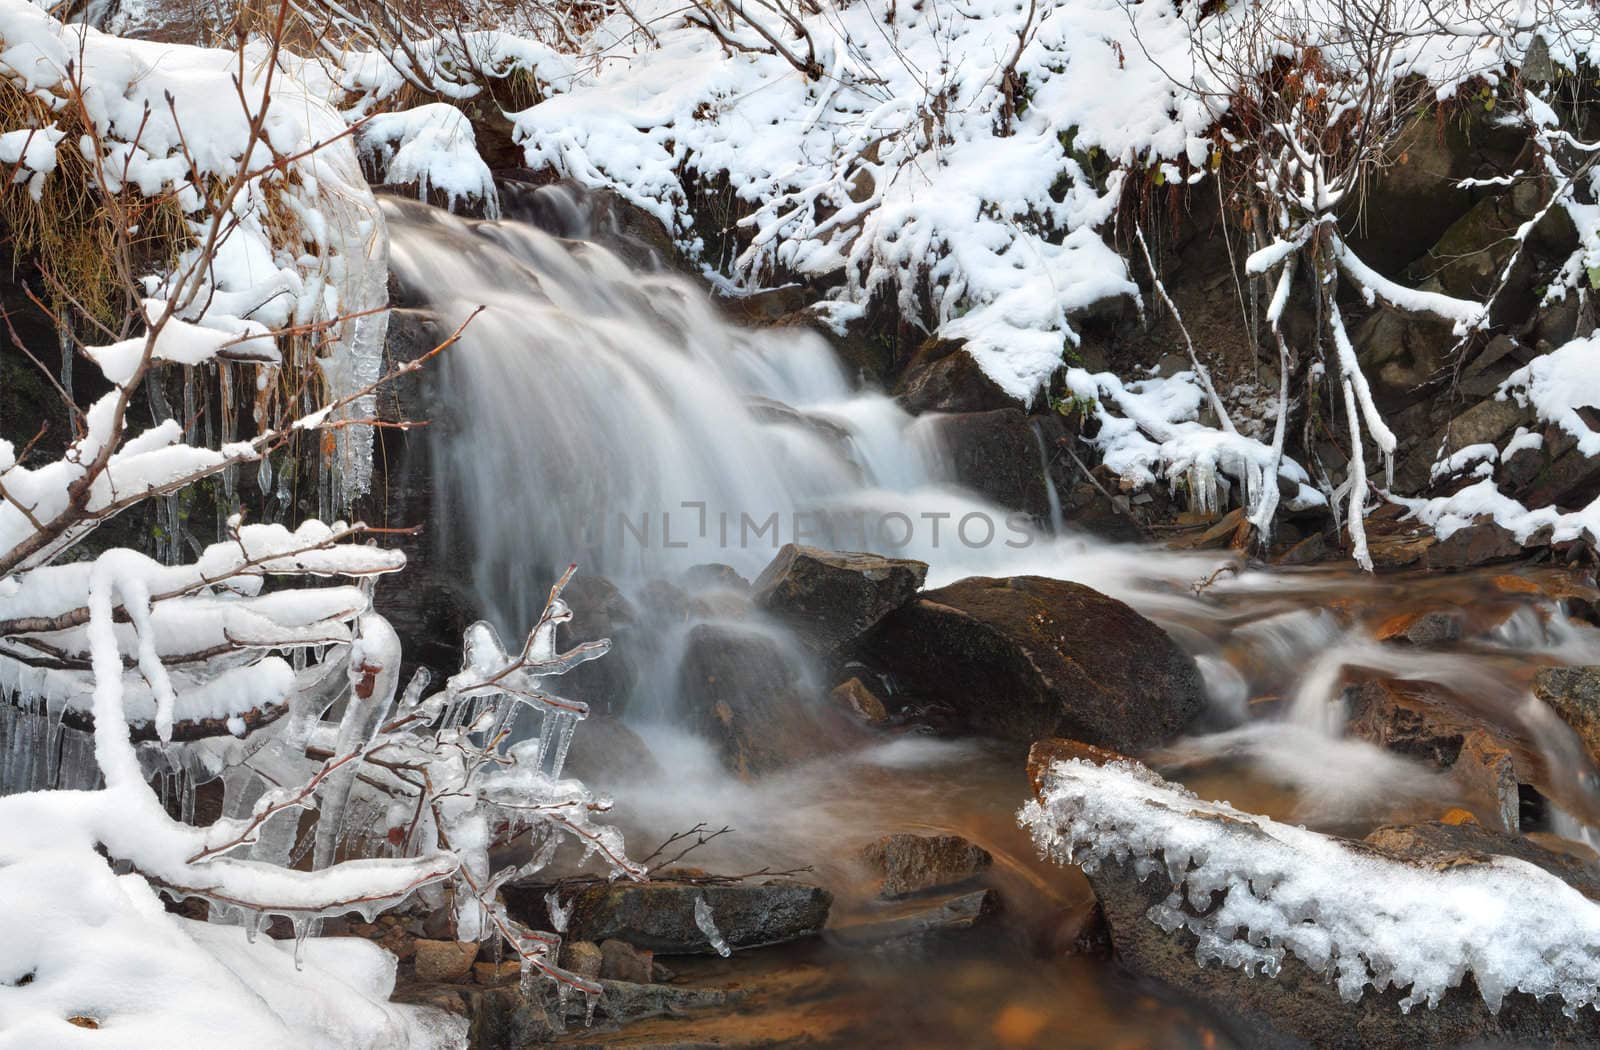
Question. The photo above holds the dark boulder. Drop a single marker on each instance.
(599, 610)
(908, 864)
(997, 454)
(1480, 543)
(1300, 1006)
(1574, 694)
(943, 377)
(743, 690)
(830, 598)
(660, 916)
(1029, 657)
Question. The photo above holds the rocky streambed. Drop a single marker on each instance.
(875, 887)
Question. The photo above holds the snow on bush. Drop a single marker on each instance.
(297, 244)
(1252, 891)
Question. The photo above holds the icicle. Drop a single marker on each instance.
(704, 919)
(302, 928)
(564, 729)
(588, 1010)
(558, 914)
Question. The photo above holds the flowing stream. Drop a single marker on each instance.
(609, 414)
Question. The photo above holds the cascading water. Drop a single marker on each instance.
(611, 415)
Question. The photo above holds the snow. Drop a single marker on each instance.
(1558, 384)
(1363, 919)
(909, 167)
(433, 146)
(1150, 429)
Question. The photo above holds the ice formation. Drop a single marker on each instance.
(1252, 891)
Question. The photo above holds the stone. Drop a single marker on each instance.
(495, 973)
(502, 1018)
(1422, 627)
(1028, 657)
(600, 610)
(830, 598)
(915, 922)
(605, 750)
(941, 379)
(659, 916)
(743, 690)
(1476, 544)
(445, 960)
(1574, 694)
(998, 455)
(1301, 1007)
(857, 698)
(1443, 843)
(583, 958)
(908, 864)
(1046, 753)
(621, 961)
(1309, 551)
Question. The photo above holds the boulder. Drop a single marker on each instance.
(599, 610)
(742, 688)
(660, 916)
(1030, 657)
(606, 751)
(621, 961)
(1300, 1006)
(908, 864)
(1477, 544)
(1045, 753)
(445, 960)
(858, 698)
(1422, 627)
(1574, 694)
(996, 454)
(942, 379)
(1410, 719)
(583, 958)
(830, 598)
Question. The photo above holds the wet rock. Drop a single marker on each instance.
(606, 751)
(436, 604)
(910, 864)
(856, 697)
(1408, 718)
(1422, 627)
(600, 610)
(1391, 553)
(1029, 657)
(998, 455)
(1308, 551)
(621, 961)
(505, 1019)
(831, 597)
(915, 923)
(445, 960)
(1574, 694)
(1046, 753)
(497, 973)
(583, 958)
(659, 916)
(943, 378)
(743, 688)
(626, 1001)
(1477, 544)
(1300, 1006)
(714, 576)
(1442, 844)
